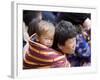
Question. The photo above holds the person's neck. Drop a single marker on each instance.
(60, 51)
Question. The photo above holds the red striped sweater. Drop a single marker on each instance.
(40, 56)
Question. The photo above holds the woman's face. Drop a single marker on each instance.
(69, 46)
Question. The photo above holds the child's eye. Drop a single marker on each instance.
(46, 38)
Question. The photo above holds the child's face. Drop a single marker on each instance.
(69, 46)
(46, 39)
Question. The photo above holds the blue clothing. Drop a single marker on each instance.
(74, 60)
(49, 16)
(82, 53)
(83, 49)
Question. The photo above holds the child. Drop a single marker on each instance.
(65, 40)
(39, 54)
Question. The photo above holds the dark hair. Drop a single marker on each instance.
(32, 26)
(64, 31)
(29, 15)
(74, 18)
(78, 29)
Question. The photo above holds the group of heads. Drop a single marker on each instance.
(61, 37)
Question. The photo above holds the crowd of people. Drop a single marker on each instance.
(56, 39)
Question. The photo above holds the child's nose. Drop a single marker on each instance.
(49, 41)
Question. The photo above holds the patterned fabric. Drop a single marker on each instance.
(74, 60)
(38, 56)
(83, 48)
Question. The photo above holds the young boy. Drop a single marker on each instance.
(39, 54)
(65, 40)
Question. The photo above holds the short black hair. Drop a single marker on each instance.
(64, 30)
(32, 26)
(29, 15)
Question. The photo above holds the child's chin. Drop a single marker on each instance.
(47, 45)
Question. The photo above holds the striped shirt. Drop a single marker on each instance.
(39, 56)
